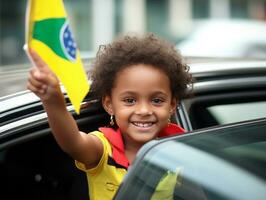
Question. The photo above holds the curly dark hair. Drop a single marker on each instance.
(132, 50)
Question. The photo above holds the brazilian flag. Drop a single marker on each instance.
(48, 33)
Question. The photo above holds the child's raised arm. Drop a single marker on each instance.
(83, 147)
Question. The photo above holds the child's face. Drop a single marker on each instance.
(141, 102)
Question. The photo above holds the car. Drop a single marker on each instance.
(225, 38)
(221, 156)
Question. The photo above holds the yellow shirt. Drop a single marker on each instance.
(105, 178)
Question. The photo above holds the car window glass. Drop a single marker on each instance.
(218, 164)
(221, 111)
(237, 112)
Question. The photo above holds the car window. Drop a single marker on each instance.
(221, 163)
(215, 110)
(237, 112)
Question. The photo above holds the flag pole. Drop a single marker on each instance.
(27, 21)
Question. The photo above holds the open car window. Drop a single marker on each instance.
(224, 108)
(229, 113)
(220, 163)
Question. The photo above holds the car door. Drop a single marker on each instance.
(225, 162)
(32, 165)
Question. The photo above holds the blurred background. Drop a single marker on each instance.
(218, 28)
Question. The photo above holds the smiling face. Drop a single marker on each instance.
(141, 102)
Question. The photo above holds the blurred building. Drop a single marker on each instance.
(96, 22)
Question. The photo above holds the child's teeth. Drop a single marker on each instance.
(144, 125)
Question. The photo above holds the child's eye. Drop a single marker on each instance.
(157, 101)
(129, 101)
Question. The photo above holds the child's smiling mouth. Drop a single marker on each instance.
(143, 124)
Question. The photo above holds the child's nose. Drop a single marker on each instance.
(144, 109)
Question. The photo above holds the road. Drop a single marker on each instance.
(12, 81)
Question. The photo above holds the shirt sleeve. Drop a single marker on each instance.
(106, 151)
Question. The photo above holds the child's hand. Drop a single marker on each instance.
(42, 81)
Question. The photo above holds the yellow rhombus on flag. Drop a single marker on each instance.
(48, 33)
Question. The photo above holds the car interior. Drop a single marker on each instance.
(38, 169)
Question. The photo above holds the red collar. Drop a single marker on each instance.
(116, 141)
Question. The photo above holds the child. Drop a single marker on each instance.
(139, 81)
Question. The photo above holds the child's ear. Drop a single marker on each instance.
(173, 105)
(107, 104)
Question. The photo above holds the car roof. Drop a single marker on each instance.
(228, 67)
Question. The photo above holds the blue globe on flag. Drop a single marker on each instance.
(67, 42)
